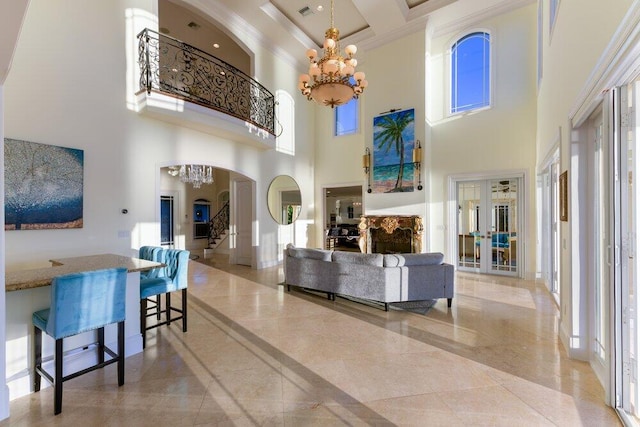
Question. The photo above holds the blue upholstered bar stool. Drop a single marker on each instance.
(81, 302)
(173, 278)
(152, 253)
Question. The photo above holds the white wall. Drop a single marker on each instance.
(500, 139)
(582, 32)
(74, 88)
(411, 73)
(397, 81)
(68, 87)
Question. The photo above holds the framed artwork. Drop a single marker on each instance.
(393, 143)
(564, 204)
(43, 186)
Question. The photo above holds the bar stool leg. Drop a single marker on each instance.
(121, 353)
(37, 352)
(167, 306)
(184, 310)
(100, 345)
(57, 383)
(143, 321)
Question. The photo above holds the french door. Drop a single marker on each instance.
(488, 225)
(626, 268)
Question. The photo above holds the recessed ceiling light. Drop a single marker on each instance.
(216, 45)
(320, 8)
(193, 25)
(164, 30)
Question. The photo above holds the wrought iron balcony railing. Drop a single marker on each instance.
(177, 69)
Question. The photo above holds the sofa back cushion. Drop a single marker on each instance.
(357, 258)
(400, 260)
(319, 254)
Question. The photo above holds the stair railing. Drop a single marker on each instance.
(218, 224)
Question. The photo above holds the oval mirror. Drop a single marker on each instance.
(284, 199)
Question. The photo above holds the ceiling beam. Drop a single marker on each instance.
(382, 15)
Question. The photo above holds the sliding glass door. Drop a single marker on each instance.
(626, 219)
(488, 225)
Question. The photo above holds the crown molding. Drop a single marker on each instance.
(486, 13)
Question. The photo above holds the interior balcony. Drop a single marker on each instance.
(186, 86)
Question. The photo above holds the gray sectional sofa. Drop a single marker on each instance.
(384, 278)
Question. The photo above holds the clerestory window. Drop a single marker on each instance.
(471, 72)
(346, 117)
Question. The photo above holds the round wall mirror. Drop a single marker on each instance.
(284, 200)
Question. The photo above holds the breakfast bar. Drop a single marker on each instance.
(28, 291)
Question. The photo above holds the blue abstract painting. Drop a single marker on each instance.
(43, 186)
(393, 142)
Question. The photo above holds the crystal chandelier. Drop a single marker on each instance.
(194, 174)
(329, 81)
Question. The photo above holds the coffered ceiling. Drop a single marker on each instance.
(292, 26)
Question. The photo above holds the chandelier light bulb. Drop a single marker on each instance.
(364, 84)
(331, 66)
(311, 54)
(359, 76)
(349, 70)
(351, 49)
(329, 44)
(304, 78)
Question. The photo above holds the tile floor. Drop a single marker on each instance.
(257, 355)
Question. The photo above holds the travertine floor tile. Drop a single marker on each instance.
(256, 354)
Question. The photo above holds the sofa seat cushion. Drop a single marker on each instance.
(319, 254)
(375, 260)
(402, 260)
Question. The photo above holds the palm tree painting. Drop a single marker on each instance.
(393, 141)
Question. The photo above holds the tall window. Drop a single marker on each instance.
(346, 117)
(285, 124)
(470, 72)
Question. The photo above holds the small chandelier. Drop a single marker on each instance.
(329, 79)
(194, 174)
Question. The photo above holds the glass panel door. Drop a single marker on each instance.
(504, 220)
(470, 235)
(487, 226)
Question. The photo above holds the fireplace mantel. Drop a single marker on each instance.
(390, 224)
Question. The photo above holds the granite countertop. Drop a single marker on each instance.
(35, 278)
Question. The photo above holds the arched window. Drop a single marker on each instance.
(471, 72)
(285, 127)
